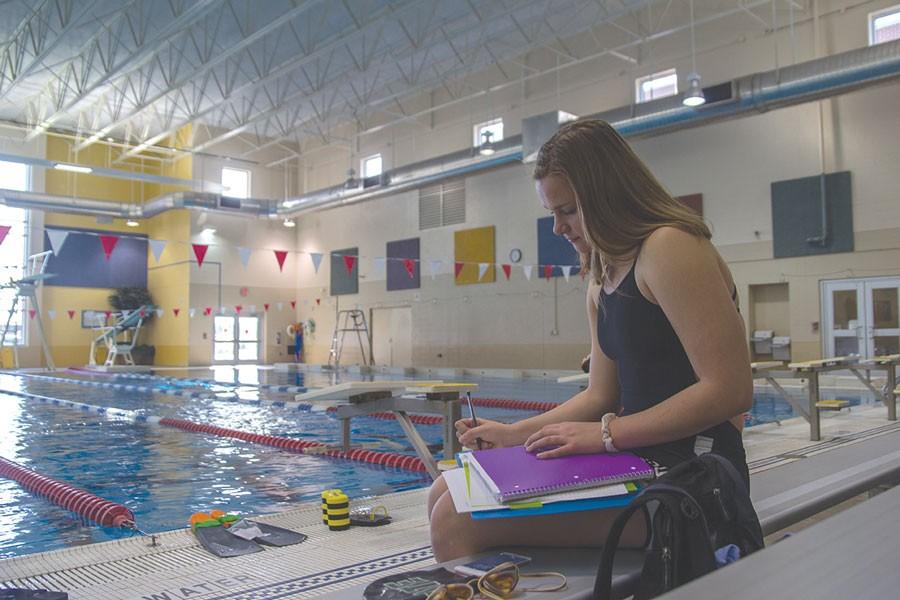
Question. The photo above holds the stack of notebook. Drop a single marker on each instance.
(511, 482)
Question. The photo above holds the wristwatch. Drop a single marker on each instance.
(605, 435)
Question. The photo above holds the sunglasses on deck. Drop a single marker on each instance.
(497, 584)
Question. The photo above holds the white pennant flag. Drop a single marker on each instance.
(157, 247)
(279, 306)
(482, 269)
(527, 270)
(125, 314)
(567, 270)
(221, 310)
(192, 312)
(57, 238)
(435, 268)
(244, 253)
(317, 260)
(160, 312)
(252, 309)
(52, 314)
(379, 263)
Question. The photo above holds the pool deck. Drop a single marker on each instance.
(176, 567)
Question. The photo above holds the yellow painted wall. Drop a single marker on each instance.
(169, 285)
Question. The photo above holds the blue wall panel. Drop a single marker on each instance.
(397, 276)
(554, 249)
(82, 263)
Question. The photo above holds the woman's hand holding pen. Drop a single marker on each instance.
(571, 437)
(493, 434)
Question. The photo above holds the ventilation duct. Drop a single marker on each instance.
(761, 92)
(201, 201)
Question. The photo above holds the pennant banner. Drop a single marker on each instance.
(157, 247)
(31, 313)
(435, 268)
(316, 258)
(507, 269)
(293, 304)
(527, 270)
(482, 269)
(280, 256)
(50, 313)
(567, 271)
(57, 238)
(379, 264)
(175, 311)
(71, 314)
(200, 252)
(207, 311)
(160, 312)
(548, 271)
(244, 254)
(108, 242)
(410, 265)
(238, 308)
(279, 306)
(266, 307)
(457, 269)
(4, 229)
(192, 312)
(349, 261)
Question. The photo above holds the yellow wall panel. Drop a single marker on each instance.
(471, 247)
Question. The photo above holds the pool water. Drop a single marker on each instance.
(164, 475)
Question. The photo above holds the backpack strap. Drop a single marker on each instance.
(603, 581)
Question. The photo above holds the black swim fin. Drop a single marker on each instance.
(223, 543)
(268, 535)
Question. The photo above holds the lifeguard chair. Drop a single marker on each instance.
(26, 287)
(121, 337)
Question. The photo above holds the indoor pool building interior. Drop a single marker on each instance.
(261, 263)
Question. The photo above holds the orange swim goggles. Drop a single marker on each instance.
(497, 584)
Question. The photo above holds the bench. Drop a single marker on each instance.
(793, 488)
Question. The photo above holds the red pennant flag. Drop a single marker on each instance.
(238, 308)
(266, 307)
(71, 314)
(108, 313)
(200, 252)
(318, 301)
(207, 311)
(143, 313)
(280, 255)
(109, 242)
(410, 265)
(349, 261)
(4, 229)
(507, 269)
(293, 304)
(176, 311)
(31, 313)
(548, 271)
(457, 269)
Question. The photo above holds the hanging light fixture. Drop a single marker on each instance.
(487, 146)
(289, 223)
(132, 223)
(694, 95)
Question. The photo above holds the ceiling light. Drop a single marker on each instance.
(289, 223)
(208, 231)
(487, 146)
(693, 97)
(694, 94)
(72, 168)
(132, 223)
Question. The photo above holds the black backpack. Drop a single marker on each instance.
(701, 505)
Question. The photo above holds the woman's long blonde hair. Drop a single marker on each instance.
(619, 200)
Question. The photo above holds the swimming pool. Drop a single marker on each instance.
(163, 475)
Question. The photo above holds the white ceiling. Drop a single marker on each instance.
(282, 74)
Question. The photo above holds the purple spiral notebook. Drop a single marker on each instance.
(514, 473)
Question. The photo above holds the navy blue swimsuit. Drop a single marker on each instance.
(652, 365)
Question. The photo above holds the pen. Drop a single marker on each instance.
(474, 420)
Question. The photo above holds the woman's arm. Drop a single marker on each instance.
(601, 396)
(680, 273)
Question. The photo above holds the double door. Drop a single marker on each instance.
(236, 339)
(861, 316)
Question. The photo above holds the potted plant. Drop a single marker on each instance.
(133, 298)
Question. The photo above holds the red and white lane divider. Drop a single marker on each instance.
(89, 506)
(387, 459)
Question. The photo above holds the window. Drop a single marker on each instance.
(442, 204)
(371, 166)
(884, 25)
(656, 85)
(14, 249)
(235, 182)
(493, 128)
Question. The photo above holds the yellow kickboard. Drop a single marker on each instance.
(833, 404)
